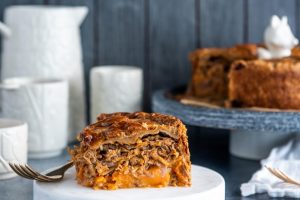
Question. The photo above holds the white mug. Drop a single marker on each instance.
(43, 104)
(13, 145)
(116, 89)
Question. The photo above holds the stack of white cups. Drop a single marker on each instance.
(41, 129)
(43, 104)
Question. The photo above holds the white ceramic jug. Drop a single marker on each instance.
(44, 42)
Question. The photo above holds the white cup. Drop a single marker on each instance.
(116, 89)
(13, 145)
(43, 104)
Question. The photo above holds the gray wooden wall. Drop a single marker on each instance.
(157, 35)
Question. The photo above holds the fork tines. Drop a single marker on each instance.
(27, 172)
(282, 176)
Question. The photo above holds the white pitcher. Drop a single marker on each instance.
(43, 42)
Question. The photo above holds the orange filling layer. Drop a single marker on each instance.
(154, 177)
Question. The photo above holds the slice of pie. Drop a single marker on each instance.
(127, 150)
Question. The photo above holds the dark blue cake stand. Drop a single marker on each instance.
(253, 132)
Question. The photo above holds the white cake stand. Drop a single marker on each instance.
(206, 185)
(253, 132)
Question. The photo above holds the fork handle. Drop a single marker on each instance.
(61, 169)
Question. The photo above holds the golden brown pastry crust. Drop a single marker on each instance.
(215, 78)
(124, 150)
(127, 127)
(265, 83)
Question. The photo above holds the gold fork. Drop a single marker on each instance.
(282, 176)
(27, 172)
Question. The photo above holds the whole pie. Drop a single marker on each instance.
(236, 77)
(127, 150)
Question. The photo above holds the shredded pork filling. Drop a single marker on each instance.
(109, 166)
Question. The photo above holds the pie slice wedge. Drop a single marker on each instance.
(128, 150)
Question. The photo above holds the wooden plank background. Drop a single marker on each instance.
(259, 13)
(221, 23)
(157, 35)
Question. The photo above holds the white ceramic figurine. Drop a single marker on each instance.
(278, 38)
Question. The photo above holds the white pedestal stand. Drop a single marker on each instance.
(255, 145)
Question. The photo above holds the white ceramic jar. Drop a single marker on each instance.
(13, 145)
(44, 42)
(116, 89)
(43, 104)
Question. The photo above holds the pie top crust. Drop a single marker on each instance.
(127, 128)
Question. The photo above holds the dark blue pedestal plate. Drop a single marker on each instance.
(253, 132)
